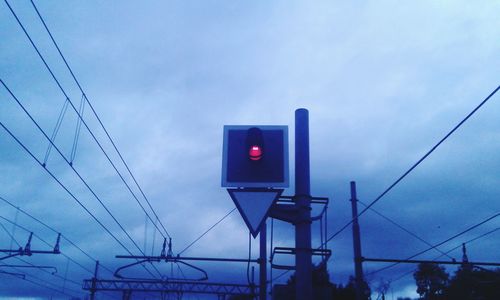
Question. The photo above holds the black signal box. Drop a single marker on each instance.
(255, 156)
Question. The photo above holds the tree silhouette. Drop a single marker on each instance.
(431, 280)
(474, 284)
(323, 289)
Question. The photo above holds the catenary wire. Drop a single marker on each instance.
(415, 164)
(45, 242)
(97, 117)
(204, 233)
(77, 130)
(65, 188)
(452, 249)
(47, 284)
(405, 230)
(71, 166)
(56, 129)
(441, 243)
(10, 235)
(62, 236)
(75, 109)
(48, 272)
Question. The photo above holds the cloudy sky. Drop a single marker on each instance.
(384, 81)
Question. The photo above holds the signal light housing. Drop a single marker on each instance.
(255, 156)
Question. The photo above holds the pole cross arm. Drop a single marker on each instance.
(439, 262)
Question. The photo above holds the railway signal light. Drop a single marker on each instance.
(255, 156)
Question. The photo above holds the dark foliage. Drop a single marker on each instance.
(468, 283)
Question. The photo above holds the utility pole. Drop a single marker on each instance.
(358, 263)
(303, 256)
(94, 279)
(263, 263)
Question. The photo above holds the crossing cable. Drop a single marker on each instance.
(63, 292)
(84, 95)
(72, 167)
(48, 272)
(77, 130)
(10, 235)
(439, 244)
(77, 112)
(66, 189)
(45, 242)
(204, 233)
(35, 266)
(56, 130)
(407, 231)
(46, 285)
(62, 236)
(415, 164)
(452, 249)
(48, 244)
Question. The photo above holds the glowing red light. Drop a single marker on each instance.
(255, 152)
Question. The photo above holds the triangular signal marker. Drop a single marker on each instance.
(254, 205)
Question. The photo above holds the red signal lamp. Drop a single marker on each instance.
(255, 152)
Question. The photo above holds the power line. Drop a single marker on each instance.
(406, 230)
(40, 284)
(70, 165)
(62, 236)
(45, 242)
(84, 95)
(473, 240)
(452, 249)
(65, 188)
(415, 164)
(439, 244)
(10, 235)
(204, 233)
(80, 117)
(48, 272)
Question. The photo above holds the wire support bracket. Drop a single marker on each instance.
(27, 251)
(325, 253)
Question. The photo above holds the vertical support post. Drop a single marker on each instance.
(252, 283)
(303, 256)
(356, 239)
(93, 288)
(263, 263)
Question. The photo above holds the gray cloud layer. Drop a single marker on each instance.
(383, 82)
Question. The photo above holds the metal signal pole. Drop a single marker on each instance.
(303, 256)
(358, 262)
(263, 263)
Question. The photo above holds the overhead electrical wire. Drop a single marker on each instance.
(80, 117)
(452, 249)
(84, 95)
(405, 230)
(62, 236)
(441, 243)
(45, 242)
(77, 130)
(48, 272)
(415, 164)
(45, 285)
(206, 231)
(56, 130)
(10, 235)
(72, 167)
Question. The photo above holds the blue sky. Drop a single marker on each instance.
(383, 81)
